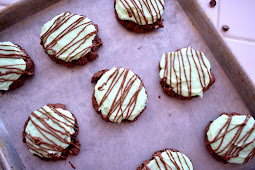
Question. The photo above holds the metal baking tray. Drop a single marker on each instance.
(166, 123)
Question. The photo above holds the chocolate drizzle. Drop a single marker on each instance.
(15, 52)
(136, 27)
(140, 6)
(238, 142)
(77, 24)
(125, 84)
(44, 147)
(176, 162)
(176, 61)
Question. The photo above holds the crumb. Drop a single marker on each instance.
(159, 97)
(72, 165)
(139, 48)
(170, 114)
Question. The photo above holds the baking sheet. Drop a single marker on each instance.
(20, 10)
(9, 158)
(166, 123)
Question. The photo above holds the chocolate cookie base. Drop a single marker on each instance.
(29, 71)
(94, 79)
(134, 27)
(155, 154)
(207, 143)
(73, 148)
(169, 90)
(90, 56)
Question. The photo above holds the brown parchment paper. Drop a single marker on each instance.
(166, 123)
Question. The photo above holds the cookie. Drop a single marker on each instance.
(167, 159)
(51, 133)
(138, 15)
(70, 39)
(119, 95)
(231, 138)
(185, 73)
(15, 66)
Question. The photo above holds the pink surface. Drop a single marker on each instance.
(166, 123)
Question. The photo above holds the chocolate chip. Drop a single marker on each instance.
(225, 27)
(212, 3)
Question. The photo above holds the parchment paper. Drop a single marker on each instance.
(166, 123)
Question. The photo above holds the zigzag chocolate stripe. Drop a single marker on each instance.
(230, 147)
(8, 51)
(54, 134)
(140, 7)
(75, 41)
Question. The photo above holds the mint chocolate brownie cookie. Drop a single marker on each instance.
(70, 39)
(51, 133)
(119, 95)
(167, 159)
(185, 73)
(139, 15)
(231, 138)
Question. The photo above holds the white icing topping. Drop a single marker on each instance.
(177, 76)
(143, 14)
(11, 63)
(235, 141)
(68, 36)
(134, 95)
(170, 160)
(55, 123)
